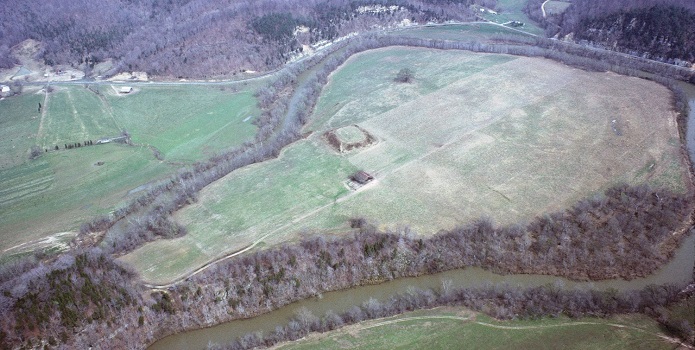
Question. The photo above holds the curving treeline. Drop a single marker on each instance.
(628, 232)
(502, 302)
(287, 104)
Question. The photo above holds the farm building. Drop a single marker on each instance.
(361, 177)
(125, 90)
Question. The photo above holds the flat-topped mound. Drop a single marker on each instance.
(348, 138)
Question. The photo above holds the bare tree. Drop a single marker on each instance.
(405, 75)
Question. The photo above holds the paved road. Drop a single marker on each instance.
(269, 73)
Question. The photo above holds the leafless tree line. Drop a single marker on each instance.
(77, 298)
(625, 233)
(501, 302)
(658, 29)
(197, 38)
(286, 105)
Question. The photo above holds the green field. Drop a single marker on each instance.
(475, 135)
(187, 123)
(350, 134)
(62, 189)
(19, 122)
(556, 7)
(456, 328)
(511, 10)
(469, 31)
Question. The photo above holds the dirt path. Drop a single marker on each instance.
(416, 318)
(76, 115)
(44, 108)
(52, 240)
(204, 267)
(543, 8)
(106, 106)
(584, 323)
(522, 328)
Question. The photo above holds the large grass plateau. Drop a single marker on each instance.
(474, 135)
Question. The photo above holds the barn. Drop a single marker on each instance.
(361, 177)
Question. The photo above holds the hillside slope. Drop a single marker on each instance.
(199, 38)
(663, 30)
(665, 33)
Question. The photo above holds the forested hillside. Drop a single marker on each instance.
(199, 38)
(658, 29)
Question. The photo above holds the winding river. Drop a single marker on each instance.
(677, 271)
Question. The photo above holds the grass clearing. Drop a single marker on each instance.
(62, 189)
(264, 198)
(350, 134)
(458, 328)
(470, 31)
(474, 135)
(187, 123)
(19, 122)
(74, 114)
(512, 10)
(556, 7)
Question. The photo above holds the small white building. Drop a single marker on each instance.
(4, 89)
(125, 89)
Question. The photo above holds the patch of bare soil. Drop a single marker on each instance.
(340, 146)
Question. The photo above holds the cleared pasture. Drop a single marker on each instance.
(350, 134)
(62, 189)
(458, 328)
(556, 7)
(187, 123)
(512, 10)
(74, 114)
(475, 135)
(19, 122)
(247, 205)
(482, 31)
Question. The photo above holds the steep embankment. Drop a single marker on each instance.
(659, 32)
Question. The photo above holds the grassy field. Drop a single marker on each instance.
(556, 7)
(475, 135)
(457, 328)
(511, 10)
(350, 134)
(471, 31)
(187, 124)
(41, 199)
(74, 114)
(19, 121)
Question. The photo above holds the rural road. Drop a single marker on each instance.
(231, 81)
(543, 8)
(148, 83)
(269, 73)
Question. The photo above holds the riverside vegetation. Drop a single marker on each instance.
(83, 296)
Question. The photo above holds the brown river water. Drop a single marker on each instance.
(678, 271)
